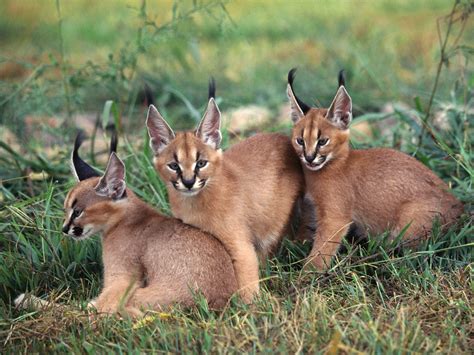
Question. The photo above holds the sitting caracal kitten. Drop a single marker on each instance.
(244, 196)
(378, 189)
(150, 261)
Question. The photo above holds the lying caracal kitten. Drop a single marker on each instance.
(378, 189)
(150, 261)
(244, 196)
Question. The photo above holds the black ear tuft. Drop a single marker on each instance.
(341, 78)
(149, 98)
(212, 88)
(82, 170)
(113, 139)
(291, 77)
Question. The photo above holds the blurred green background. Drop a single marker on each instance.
(110, 49)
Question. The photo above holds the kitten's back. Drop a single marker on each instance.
(186, 259)
(407, 177)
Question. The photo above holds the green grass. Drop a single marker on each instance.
(374, 299)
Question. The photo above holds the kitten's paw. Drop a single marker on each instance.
(133, 312)
(26, 301)
(19, 301)
(317, 264)
(248, 294)
(92, 305)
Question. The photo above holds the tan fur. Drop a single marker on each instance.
(150, 261)
(381, 189)
(247, 199)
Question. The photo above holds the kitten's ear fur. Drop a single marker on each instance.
(298, 107)
(340, 111)
(112, 183)
(159, 131)
(209, 130)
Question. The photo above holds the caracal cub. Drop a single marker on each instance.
(150, 261)
(244, 196)
(378, 189)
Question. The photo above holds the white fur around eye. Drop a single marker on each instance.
(80, 214)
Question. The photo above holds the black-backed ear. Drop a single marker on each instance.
(340, 111)
(112, 184)
(79, 167)
(159, 131)
(209, 130)
(298, 107)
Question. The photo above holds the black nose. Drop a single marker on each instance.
(189, 183)
(66, 229)
(77, 231)
(310, 158)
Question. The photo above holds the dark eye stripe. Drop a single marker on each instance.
(175, 157)
(75, 214)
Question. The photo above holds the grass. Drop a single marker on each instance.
(373, 300)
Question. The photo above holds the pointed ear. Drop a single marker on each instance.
(298, 107)
(340, 111)
(112, 184)
(159, 131)
(209, 130)
(296, 112)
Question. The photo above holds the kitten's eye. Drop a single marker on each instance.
(201, 163)
(173, 166)
(300, 141)
(76, 213)
(323, 142)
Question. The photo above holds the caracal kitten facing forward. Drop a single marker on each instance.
(244, 196)
(150, 261)
(379, 189)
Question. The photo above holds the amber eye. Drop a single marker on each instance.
(300, 141)
(201, 163)
(173, 166)
(323, 141)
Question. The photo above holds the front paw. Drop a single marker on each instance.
(92, 305)
(317, 264)
(248, 293)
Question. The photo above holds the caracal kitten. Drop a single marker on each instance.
(244, 196)
(150, 261)
(380, 189)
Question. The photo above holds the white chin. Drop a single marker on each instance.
(189, 193)
(315, 167)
